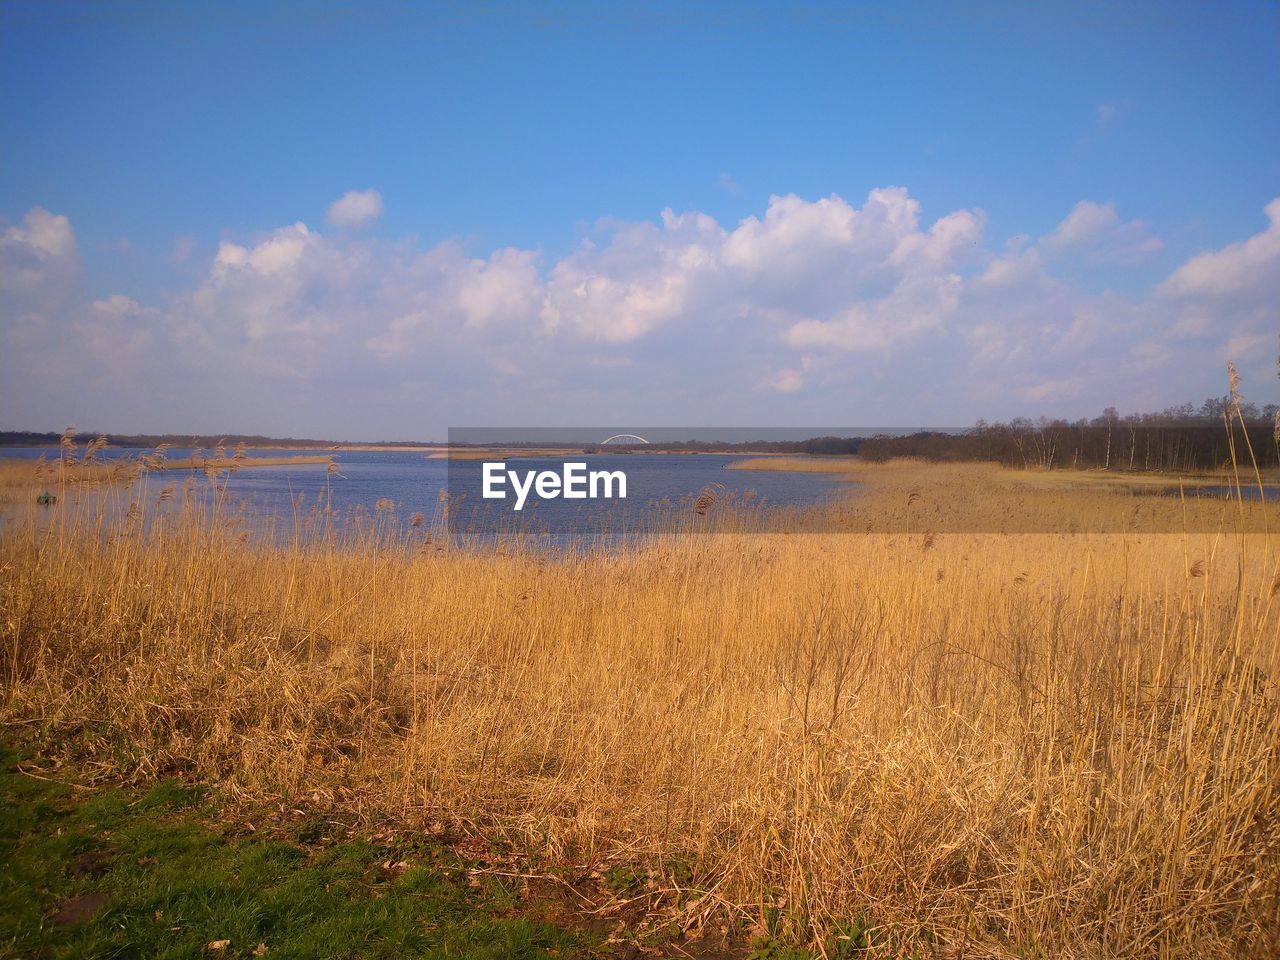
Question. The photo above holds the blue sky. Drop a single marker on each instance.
(517, 267)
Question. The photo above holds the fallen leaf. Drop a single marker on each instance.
(260, 950)
(217, 946)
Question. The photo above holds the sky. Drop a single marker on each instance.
(381, 220)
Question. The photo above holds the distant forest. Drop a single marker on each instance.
(1181, 439)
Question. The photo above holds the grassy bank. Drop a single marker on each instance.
(791, 464)
(1062, 477)
(22, 480)
(162, 871)
(886, 744)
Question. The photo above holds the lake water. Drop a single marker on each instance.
(392, 491)
(657, 484)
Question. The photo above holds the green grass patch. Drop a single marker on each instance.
(120, 873)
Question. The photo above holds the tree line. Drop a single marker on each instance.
(1183, 439)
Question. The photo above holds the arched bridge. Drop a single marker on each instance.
(624, 437)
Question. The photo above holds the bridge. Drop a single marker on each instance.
(624, 437)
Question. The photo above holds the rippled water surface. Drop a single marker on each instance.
(414, 483)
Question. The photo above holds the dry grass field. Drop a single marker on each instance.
(909, 742)
(22, 480)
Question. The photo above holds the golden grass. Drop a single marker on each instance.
(915, 496)
(796, 464)
(494, 453)
(21, 481)
(227, 463)
(1063, 477)
(986, 744)
(506, 453)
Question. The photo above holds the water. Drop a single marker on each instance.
(1213, 491)
(415, 483)
(662, 490)
(661, 493)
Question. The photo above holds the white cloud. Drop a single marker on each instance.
(1250, 269)
(39, 280)
(1084, 225)
(815, 256)
(37, 255)
(787, 380)
(644, 278)
(356, 208)
(46, 235)
(1227, 301)
(503, 288)
(914, 307)
(63, 359)
(116, 333)
(1016, 269)
(453, 295)
(951, 240)
(817, 273)
(809, 306)
(1096, 229)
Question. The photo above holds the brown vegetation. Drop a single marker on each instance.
(981, 744)
(22, 480)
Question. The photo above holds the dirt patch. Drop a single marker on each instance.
(93, 863)
(79, 909)
(583, 907)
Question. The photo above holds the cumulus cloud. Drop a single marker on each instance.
(60, 355)
(645, 276)
(913, 307)
(1017, 269)
(305, 305)
(1084, 225)
(1231, 297)
(43, 235)
(40, 282)
(814, 255)
(116, 332)
(815, 272)
(821, 305)
(1096, 229)
(1249, 270)
(38, 257)
(454, 295)
(356, 208)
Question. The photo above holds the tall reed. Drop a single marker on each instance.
(980, 743)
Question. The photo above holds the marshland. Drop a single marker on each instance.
(995, 716)
(940, 619)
